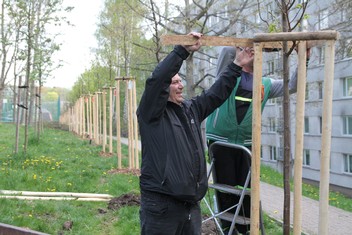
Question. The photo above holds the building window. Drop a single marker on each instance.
(271, 67)
(323, 19)
(347, 163)
(217, 18)
(210, 21)
(320, 87)
(345, 48)
(211, 63)
(347, 125)
(347, 86)
(272, 125)
(226, 12)
(273, 156)
(244, 26)
(281, 153)
(272, 101)
(348, 49)
(306, 125)
(306, 157)
(257, 18)
(321, 55)
(307, 91)
(320, 124)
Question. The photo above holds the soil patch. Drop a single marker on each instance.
(106, 154)
(124, 200)
(136, 172)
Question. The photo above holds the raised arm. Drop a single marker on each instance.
(156, 93)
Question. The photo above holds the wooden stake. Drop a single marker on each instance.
(89, 106)
(110, 120)
(56, 198)
(296, 36)
(118, 126)
(130, 127)
(84, 116)
(326, 138)
(135, 122)
(301, 93)
(229, 41)
(104, 120)
(206, 40)
(256, 139)
(53, 194)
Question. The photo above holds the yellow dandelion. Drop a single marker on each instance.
(34, 176)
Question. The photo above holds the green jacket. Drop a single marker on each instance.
(222, 124)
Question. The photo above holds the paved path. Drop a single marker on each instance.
(340, 221)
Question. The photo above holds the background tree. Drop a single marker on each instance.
(208, 17)
(30, 43)
(10, 38)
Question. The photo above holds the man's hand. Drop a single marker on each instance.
(197, 45)
(244, 56)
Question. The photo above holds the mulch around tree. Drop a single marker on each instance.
(130, 199)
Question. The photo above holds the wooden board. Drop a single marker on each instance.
(227, 41)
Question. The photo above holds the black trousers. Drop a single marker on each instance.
(163, 215)
(231, 168)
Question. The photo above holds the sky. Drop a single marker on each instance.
(77, 42)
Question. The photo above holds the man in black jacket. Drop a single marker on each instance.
(173, 174)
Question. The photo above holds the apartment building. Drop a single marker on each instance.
(322, 15)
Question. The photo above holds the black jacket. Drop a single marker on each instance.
(173, 159)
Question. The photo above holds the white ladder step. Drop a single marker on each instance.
(229, 189)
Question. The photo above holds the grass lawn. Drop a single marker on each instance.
(62, 162)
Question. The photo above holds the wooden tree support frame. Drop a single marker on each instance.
(329, 37)
(274, 40)
(88, 118)
(133, 146)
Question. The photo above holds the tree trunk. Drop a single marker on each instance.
(189, 62)
(28, 70)
(18, 113)
(31, 108)
(14, 120)
(287, 131)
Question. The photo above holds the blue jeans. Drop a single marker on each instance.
(163, 215)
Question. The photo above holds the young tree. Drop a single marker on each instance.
(292, 14)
